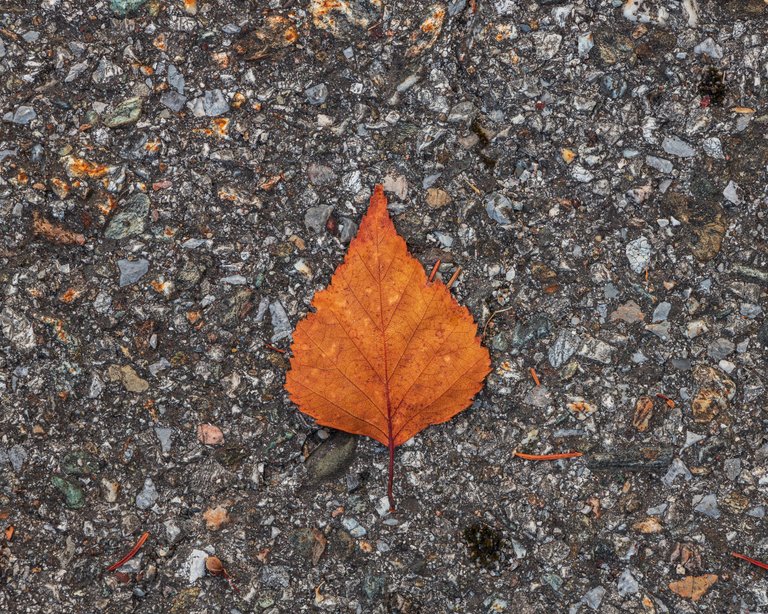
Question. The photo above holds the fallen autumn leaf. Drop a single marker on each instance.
(387, 352)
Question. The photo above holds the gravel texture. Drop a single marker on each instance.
(177, 178)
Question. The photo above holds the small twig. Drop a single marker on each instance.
(546, 457)
(453, 278)
(473, 186)
(493, 315)
(535, 376)
(759, 564)
(131, 554)
(434, 271)
(269, 346)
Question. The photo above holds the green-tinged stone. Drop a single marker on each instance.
(123, 7)
(130, 218)
(332, 457)
(127, 112)
(75, 498)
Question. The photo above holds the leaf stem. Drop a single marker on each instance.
(391, 475)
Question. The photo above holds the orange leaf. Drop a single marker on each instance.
(386, 352)
(693, 587)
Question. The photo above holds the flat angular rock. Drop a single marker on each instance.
(132, 271)
(130, 219)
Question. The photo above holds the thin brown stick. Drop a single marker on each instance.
(131, 554)
(434, 271)
(547, 457)
(453, 278)
(535, 376)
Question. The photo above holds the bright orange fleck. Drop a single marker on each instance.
(159, 42)
(108, 205)
(221, 126)
(70, 295)
(80, 167)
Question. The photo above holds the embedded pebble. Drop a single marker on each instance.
(132, 271)
(148, 495)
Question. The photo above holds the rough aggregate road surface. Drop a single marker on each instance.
(179, 177)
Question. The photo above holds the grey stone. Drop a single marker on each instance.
(316, 94)
(130, 218)
(732, 468)
(627, 584)
(499, 208)
(347, 230)
(175, 79)
(581, 174)
(17, 456)
(105, 70)
(677, 147)
(22, 115)
(564, 346)
(148, 495)
(275, 576)
(710, 48)
(173, 100)
(194, 567)
(17, 328)
(75, 71)
(610, 291)
(720, 348)
(538, 396)
(597, 350)
(731, 193)
(354, 528)
(214, 103)
(639, 254)
(660, 164)
(316, 217)
(132, 271)
(164, 436)
(750, 311)
(281, 325)
(234, 280)
(707, 505)
(661, 313)
(594, 597)
(713, 147)
(676, 469)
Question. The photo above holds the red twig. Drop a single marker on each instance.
(453, 278)
(547, 457)
(535, 376)
(434, 271)
(269, 346)
(759, 564)
(131, 554)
